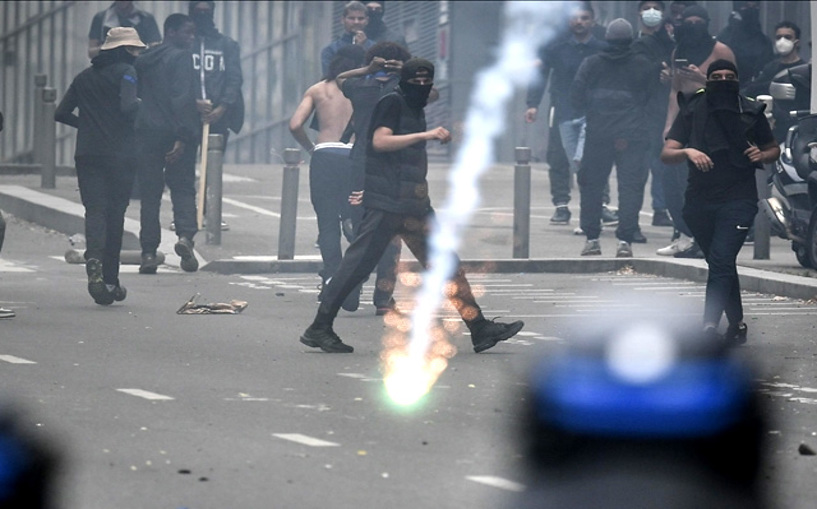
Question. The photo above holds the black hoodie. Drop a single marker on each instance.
(105, 94)
(167, 87)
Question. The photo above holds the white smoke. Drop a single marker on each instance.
(528, 25)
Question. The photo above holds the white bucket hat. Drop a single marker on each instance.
(122, 36)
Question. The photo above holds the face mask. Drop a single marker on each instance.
(783, 46)
(375, 16)
(750, 17)
(691, 33)
(416, 95)
(651, 17)
(204, 22)
(723, 94)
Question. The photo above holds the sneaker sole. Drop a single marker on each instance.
(513, 331)
(96, 286)
(189, 262)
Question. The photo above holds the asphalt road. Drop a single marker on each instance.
(153, 409)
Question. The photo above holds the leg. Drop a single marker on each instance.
(558, 168)
(119, 182)
(675, 185)
(150, 175)
(632, 179)
(327, 193)
(91, 172)
(387, 276)
(181, 180)
(597, 164)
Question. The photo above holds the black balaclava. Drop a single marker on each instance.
(694, 42)
(376, 17)
(203, 19)
(416, 95)
(749, 17)
(724, 129)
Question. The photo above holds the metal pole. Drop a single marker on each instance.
(48, 171)
(215, 161)
(289, 204)
(521, 203)
(762, 226)
(40, 81)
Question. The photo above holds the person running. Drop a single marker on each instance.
(397, 203)
(105, 155)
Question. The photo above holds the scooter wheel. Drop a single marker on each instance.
(801, 253)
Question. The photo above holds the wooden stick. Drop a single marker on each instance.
(205, 138)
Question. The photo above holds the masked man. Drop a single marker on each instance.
(397, 203)
(723, 137)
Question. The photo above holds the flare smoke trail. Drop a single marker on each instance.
(528, 25)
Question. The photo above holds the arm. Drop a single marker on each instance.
(536, 90)
(65, 111)
(299, 118)
(233, 80)
(377, 64)
(578, 91)
(675, 153)
(128, 101)
(182, 97)
(764, 154)
(384, 139)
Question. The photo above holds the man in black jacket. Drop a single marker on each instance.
(397, 203)
(611, 89)
(105, 95)
(167, 129)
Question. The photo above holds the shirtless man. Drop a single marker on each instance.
(330, 167)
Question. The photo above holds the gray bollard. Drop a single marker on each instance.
(289, 204)
(215, 162)
(762, 247)
(40, 81)
(48, 148)
(521, 203)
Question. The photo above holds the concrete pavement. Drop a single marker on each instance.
(252, 205)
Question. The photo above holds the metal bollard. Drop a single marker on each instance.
(289, 204)
(521, 203)
(215, 162)
(762, 247)
(48, 150)
(40, 81)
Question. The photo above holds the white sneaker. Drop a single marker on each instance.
(680, 244)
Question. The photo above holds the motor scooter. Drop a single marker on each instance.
(792, 207)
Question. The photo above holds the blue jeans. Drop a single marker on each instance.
(720, 229)
(572, 134)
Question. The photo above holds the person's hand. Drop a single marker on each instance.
(393, 65)
(692, 73)
(356, 198)
(175, 153)
(359, 37)
(699, 159)
(214, 115)
(665, 76)
(754, 154)
(530, 115)
(439, 133)
(204, 106)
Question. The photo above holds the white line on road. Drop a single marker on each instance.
(15, 360)
(146, 394)
(496, 482)
(305, 440)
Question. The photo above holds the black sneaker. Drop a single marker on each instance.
(184, 248)
(736, 335)
(561, 216)
(119, 293)
(608, 217)
(639, 238)
(96, 285)
(693, 251)
(326, 340)
(660, 217)
(149, 264)
(487, 333)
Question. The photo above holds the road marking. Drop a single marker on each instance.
(359, 376)
(7, 266)
(496, 482)
(305, 440)
(146, 394)
(15, 360)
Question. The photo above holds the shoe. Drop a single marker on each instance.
(693, 251)
(639, 238)
(608, 216)
(225, 227)
(750, 238)
(352, 301)
(385, 308)
(660, 217)
(712, 335)
(680, 244)
(736, 335)
(96, 285)
(184, 248)
(6, 313)
(561, 216)
(578, 231)
(592, 248)
(119, 293)
(326, 340)
(487, 333)
(624, 250)
(149, 264)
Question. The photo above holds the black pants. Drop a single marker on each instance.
(152, 174)
(675, 186)
(720, 230)
(329, 192)
(631, 172)
(104, 187)
(377, 230)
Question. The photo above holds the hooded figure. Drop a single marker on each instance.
(377, 30)
(752, 48)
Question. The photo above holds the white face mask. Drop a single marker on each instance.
(783, 46)
(651, 17)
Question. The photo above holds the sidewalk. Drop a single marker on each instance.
(252, 203)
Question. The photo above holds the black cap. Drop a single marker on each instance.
(720, 65)
(413, 67)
